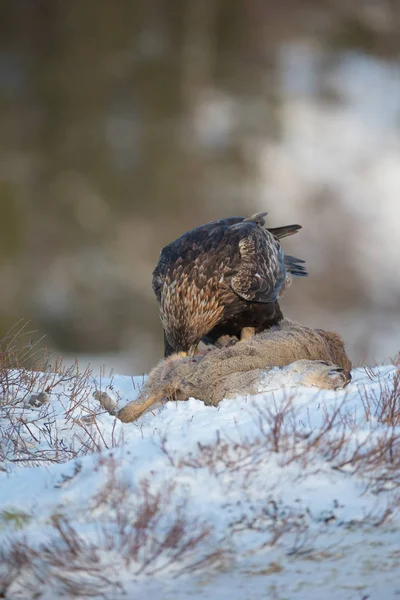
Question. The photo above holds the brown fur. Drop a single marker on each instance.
(316, 357)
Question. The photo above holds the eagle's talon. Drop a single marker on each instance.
(226, 340)
(247, 333)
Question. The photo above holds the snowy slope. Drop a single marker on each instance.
(289, 494)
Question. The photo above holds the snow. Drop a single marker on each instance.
(290, 516)
(334, 168)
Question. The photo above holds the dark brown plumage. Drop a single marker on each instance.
(221, 277)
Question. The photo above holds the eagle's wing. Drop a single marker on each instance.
(159, 277)
(241, 246)
(261, 271)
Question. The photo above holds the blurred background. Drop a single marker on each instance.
(125, 123)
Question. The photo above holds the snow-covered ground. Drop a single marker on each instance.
(289, 494)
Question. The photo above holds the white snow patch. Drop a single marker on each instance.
(301, 528)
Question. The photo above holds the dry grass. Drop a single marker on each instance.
(337, 443)
(140, 532)
(374, 455)
(154, 528)
(31, 438)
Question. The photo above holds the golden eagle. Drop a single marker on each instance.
(220, 278)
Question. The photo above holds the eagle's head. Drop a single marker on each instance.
(181, 339)
(188, 313)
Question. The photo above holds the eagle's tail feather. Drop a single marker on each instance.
(295, 265)
(284, 231)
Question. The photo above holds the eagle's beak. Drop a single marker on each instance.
(189, 354)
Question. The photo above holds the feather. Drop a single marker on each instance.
(221, 277)
(285, 231)
(261, 272)
(295, 266)
(257, 218)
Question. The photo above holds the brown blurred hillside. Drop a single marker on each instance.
(123, 124)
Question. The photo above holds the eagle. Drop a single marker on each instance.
(223, 278)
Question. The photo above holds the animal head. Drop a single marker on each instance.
(187, 312)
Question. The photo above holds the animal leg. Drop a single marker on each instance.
(308, 373)
(133, 410)
(318, 373)
(247, 333)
